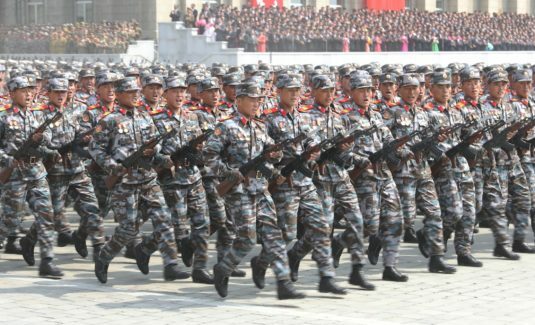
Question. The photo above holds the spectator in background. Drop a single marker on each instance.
(404, 43)
(378, 42)
(175, 14)
(261, 42)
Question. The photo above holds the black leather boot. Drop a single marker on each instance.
(518, 247)
(501, 251)
(172, 272)
(220, 281)
(64, 239)
(293, 262)
(422, 243)
(202, 276)
(187, 252)
(47, 269)
(259, 273)
(447, 236)
(336, 250)
(101, 269)
(438, 265)
(286, 290)
(130, 251)
(27, 246)
(78, 239)
(142, 259)
(13, 246)
(374, 249)
(410, 236)
(468, 260)
(391, 273)
(328, 285)
(357, 278)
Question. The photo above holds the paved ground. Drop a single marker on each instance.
(500, 292)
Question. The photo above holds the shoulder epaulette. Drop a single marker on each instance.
(224, 118)
(106, 113)
(156, 111)
(270, 111)
(305, 108)
(41, 107)
(92, 107)
(346, 110)
(429, 105)
(343, 100)
(5, 107)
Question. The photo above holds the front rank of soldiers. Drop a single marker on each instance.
(280, 156)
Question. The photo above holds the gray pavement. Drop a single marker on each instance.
(501, 292)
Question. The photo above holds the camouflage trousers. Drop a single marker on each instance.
(420, 192)
(132, 202)
(220, 221)
(381, 209)
(80, 189)
(513, 202)
(188, 207)
(37, 194)
(457, 200)
(529, 171)
(289, 201)
(252, 213)
(342, 197)
(477, 176)
(101, 191)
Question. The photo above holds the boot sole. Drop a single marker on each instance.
(50, 276)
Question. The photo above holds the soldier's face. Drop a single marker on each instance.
(441, 93)
(522, 89)
(497, 89)
(409, 94)
(22, 97)
(175, 97)
(57, 98)
(87, 83)
(192, 90)
(210, 97)
(471, 88)
(152, 93)
(289, 97)
(248, 106)
(455, 79)
(106, 92)
(375, 82)
(362, 96)
(388, 90)
(230, 92)
(345, 84)
(72, 89)
(127, 99)
(323, 97)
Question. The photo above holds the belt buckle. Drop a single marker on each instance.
(258, 174)
(33, 160)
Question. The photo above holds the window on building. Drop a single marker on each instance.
(410, 4)
(84, 10)
(36, 12)
(336, 3)
(298, 3)
(440, 5)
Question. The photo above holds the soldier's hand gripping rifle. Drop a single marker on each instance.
(430, 143)
(501, 140)
(27, 147)
(332, 153)
(387, 153)
(190, 152)
(519, 139)
(257, 164)
(136, 156)
(463, 147)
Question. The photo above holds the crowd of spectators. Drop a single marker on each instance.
(82, 37)
(337, 29)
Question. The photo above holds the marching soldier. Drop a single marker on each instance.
(184, 193)
(116, 137)
(413, 178)
(375, 187)
(24, 176)
(235, 141)
(66, 172)
(332, 180)
(453, 181)
(297, 193)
